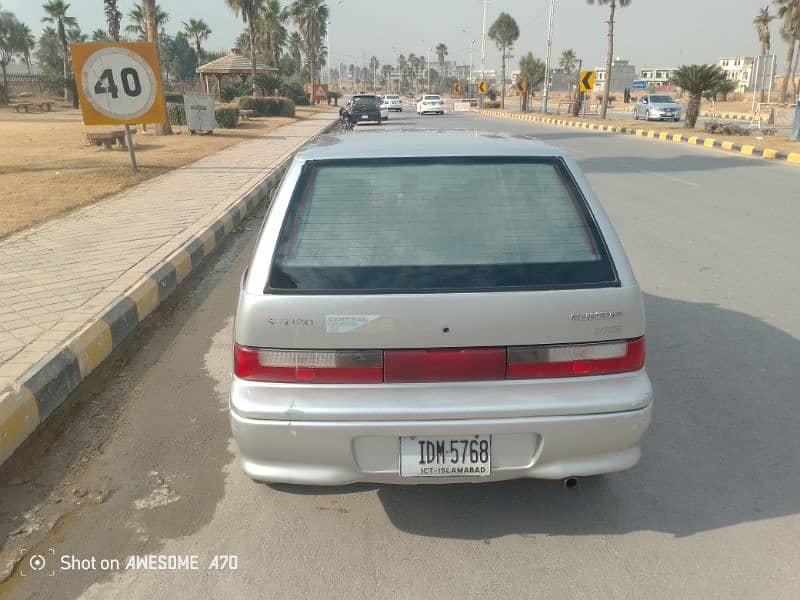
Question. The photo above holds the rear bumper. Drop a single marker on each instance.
(342, 452)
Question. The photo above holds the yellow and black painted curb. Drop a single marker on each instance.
(47, 386)
(677, 138)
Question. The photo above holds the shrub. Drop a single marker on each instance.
(176, 113)
(725, 128)
(295, 92)
(335, 97)
(173, 98)
(491, 104)
(269, 106)
(227, 117)
(268, 84)
(229, 92)
(493, 94)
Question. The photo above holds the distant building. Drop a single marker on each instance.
(739, 69)
(561, 81)
(657, 77)
(623, 75)
(461, 71)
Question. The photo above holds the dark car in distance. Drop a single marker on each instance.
(365, 108)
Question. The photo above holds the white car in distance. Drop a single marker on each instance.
(430, 104)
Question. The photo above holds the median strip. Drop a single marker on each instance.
(745, 149)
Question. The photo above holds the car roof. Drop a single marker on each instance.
(424, 143)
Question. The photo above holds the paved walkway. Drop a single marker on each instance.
(56, 277)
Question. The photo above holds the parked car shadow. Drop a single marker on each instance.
(722, 450)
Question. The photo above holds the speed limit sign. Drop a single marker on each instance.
(118, 83)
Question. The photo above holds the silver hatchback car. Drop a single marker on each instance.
(437, 307)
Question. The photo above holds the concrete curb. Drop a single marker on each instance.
(47, 385)
(734, 116)
(766, 153)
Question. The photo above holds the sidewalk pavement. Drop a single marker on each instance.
(74, 287)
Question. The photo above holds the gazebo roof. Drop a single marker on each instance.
(233, 64)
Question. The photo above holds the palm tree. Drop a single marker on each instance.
(402, 66)
(441, 53)
(9, 46)
(311, 18)
(99, 35)
(412, 68)
(568, 62)
(152, 16)
(56, 13)
(374, 63)
(26, 42)
(789, 12)
(504, 32)
(113, 18)
(138, 15)
(532, 72)
(248, 9)
(294, 46)
(612, 9)
(761, 22)
(386, 74)
(697, 80)
(272, 28)
(198, 30)
(76, 36)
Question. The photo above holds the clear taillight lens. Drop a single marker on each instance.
(324, 366)
(537, 362)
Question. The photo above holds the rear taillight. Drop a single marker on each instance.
(537, 362)
(299, 366)
(438, 364)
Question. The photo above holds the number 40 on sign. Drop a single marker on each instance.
(118, 83)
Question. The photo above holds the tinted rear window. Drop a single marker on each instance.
(443, 225)
(366, 103)
(662, 99)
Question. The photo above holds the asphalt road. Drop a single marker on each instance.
(710, 512)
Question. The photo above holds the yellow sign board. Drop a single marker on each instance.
(457, 88)
(118, 83)
(587, 81)
(521, 85)
(482, 87)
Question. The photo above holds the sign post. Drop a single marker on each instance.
(119, 84)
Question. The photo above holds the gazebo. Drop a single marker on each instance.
(232, 64)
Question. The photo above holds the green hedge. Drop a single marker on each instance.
(491, 104)
(227, 118)
(176, 113)
(268, 106)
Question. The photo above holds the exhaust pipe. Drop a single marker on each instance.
(570, 483)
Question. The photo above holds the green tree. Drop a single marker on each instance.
(504, 32)
(612, 10)
(697, 80)
(56, 14)
(386, 74)
(9, 46)
(789, 12)
(441, 52)
(311, 19)
(26, 43)
(138, 16)
(294, 46)
(761, 23)
(248, 9)
(402, 66)
(198, 31)
(374, 63)
(532, 71)
(99, 35)
(272, 29)
(178, 57)
(113, 18)
(76, 36)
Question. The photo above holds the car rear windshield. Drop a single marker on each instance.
(432, 98)
(366, 102)
(662, 99)
(407, 225)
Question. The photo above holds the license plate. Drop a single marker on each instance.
(364, 117)
(456, 456)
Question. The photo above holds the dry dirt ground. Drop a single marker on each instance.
(47, 167)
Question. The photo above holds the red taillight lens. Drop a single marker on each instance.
(461, 364)
(439, 364)
(323, 366)
(536, 362)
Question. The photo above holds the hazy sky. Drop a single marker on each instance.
(649, 32)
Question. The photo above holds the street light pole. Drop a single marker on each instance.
(429, 69)
(547, 61)
(483, 39)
